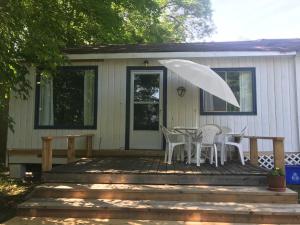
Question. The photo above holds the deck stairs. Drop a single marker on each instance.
(156, 202)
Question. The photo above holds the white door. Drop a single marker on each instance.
(146, 109)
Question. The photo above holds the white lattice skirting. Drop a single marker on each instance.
(267, 160)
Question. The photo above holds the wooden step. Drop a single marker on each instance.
(92, 221)
(161, 210)
(140, 178)
(193, 193)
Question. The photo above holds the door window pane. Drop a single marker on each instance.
(146, 117)
(146, 87)
(146, 101)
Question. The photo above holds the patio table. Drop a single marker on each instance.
(189, 132)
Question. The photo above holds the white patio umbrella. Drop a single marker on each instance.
(203, 77)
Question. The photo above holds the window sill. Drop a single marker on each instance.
(228, 113)
(65, 128)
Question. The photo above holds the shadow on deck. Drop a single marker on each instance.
(153, 170)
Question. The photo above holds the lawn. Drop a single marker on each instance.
(12, 192)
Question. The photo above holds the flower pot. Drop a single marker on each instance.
(276, 183)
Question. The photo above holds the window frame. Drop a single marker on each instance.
(254, 102)
(37, 101)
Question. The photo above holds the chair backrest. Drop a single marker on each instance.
(172, 136)
(243, 131)
(222, 137)
(226, 130)
(165, 132)
(239, 138)
(209, 133)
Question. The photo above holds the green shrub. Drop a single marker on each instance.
(277, 172)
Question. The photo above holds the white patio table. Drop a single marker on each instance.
(189, 132)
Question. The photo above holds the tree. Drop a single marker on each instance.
(34, 32)
(178, 20)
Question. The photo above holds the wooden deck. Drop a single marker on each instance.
(153, 170)
(145, 188)
(154, 165)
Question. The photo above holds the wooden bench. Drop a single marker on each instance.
(278, 150)
(47, 148)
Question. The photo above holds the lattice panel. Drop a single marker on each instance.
(292, 159)
(267, 160)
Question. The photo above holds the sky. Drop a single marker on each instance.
(238, 20)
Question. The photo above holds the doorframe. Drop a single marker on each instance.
(128, 92)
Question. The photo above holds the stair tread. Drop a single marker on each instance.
(165, 188)
(87, 221)
(167, 178)
(115, 204)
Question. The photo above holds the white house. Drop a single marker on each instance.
(121, 94)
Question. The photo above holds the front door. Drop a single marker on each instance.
(146, 109)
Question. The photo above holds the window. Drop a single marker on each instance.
(242, 83)
(67, 100)
(146, 102)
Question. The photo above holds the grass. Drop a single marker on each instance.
(12, 192)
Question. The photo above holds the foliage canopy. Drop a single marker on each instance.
(33, 32)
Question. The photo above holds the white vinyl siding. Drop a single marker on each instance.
(276, 100)
(276, 105)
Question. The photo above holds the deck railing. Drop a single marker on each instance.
(278, 150)
(47, 148)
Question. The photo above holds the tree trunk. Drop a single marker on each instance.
(3, 131)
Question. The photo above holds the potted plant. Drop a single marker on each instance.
(276, 180)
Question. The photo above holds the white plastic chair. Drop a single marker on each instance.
(221, 139)
(196, 140)
(173, 139)
(237, 144)
(207, 140)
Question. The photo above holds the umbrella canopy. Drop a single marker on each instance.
(203, 77)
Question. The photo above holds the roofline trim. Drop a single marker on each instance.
(150, 55)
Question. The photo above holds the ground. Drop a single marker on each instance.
(12, 192)
(297, 189)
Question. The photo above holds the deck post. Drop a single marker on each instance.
(71, 149)
(89, 145)
(278, 152)
(253, 151)
(47, 154)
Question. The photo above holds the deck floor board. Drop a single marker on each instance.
(154, 165)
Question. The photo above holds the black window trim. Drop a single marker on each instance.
(129, 69)
(37, 97)
(254, 102)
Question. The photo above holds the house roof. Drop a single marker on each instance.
(263, 45)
